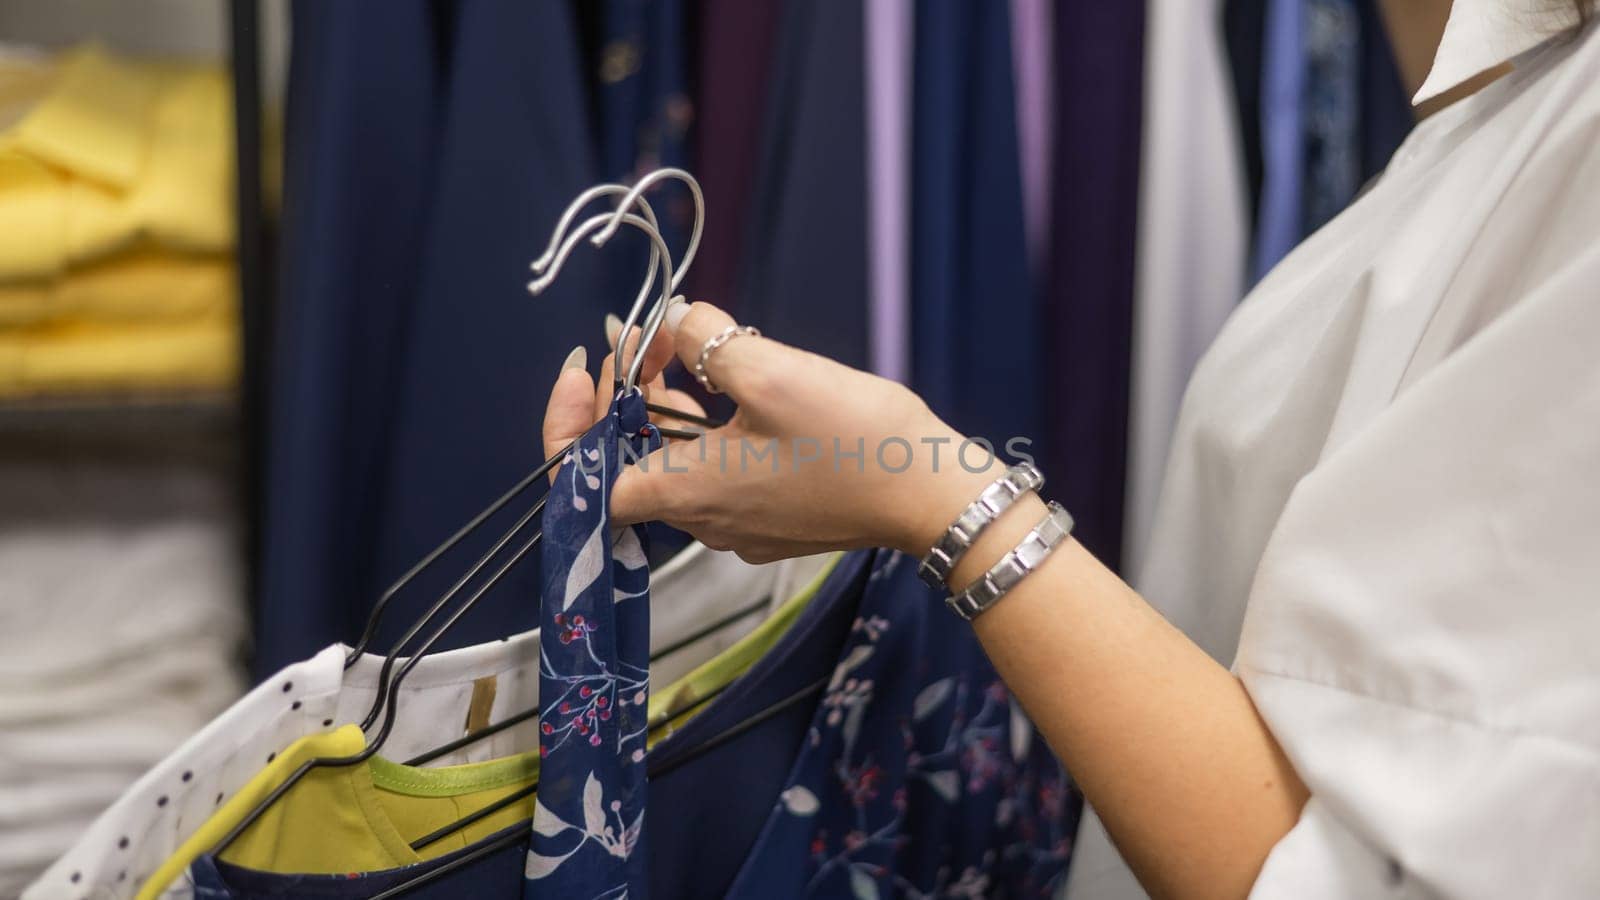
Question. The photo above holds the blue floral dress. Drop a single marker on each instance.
(594, 682)
(920, 776)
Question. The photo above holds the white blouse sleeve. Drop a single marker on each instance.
(1423, 635)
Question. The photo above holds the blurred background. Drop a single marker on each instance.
(264, 332)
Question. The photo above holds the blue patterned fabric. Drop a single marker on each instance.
(919, 775)
(594, 674)
(1332, 109)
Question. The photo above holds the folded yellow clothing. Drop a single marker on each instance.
(74, 357)
(138, 286)
(111, 152)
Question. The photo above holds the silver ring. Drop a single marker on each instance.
(711, 345)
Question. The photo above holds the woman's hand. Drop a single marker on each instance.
(819, 456)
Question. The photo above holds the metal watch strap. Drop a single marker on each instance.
(941, 560)
(1014, 566)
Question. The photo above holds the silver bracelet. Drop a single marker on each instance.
(1014, 566)
(957, 539)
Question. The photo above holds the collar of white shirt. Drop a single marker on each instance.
(1482, 34)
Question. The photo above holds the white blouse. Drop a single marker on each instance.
(1382, 506)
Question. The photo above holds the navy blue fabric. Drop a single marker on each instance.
(1244, 34)
(918, 775)
(431, 148)
(644, 113)
(494, 875)
(974, 316)
(594, 677)
(684, 864)
(1386, 116)
(804, 278)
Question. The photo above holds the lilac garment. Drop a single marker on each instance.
(1283, 78)
(919, 776)
(594, 676)
(1032, 58)
(888, 46)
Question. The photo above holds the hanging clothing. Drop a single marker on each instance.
(919, 775)
(683, 865)
(105, 152)
(888, 39)
(1386, 116)
(1244, 25)
(1332, 109)
(736, 41)
(969, 280)
(1192, 246)
(804, 272)
(430, 151)
(498, 874)
(594, 678)
(705, 607)
(1033, 59)
(1396, 431)
(645, 114)
(1088, 310)
(1280, 219)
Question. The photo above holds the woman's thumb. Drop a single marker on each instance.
(570, 411)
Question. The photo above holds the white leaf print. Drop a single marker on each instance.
(852, 723)
(581, 504)
(862, 884)
(1021, 733)
(594, 817)
(585, 569)
(931, 698)
(630, 837)
(858, 655)
(538, 865)
(627, 549)
(946, 783)
(799, 801)
(546, 822)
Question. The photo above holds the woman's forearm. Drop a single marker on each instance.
(1164, 741)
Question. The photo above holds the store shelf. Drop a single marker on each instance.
(154, 413)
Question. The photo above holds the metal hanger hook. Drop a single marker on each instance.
(657, 314)
(636, 195)
(565, 222)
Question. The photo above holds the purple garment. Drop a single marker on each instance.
(1099, 54)
(1031, 57)
(735, 59)
(888, 45)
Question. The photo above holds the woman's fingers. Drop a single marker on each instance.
(742, 367)
(570, 411)
(656, 356)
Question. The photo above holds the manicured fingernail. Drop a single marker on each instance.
(676, 310)
(577, 359)
(613, 328)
